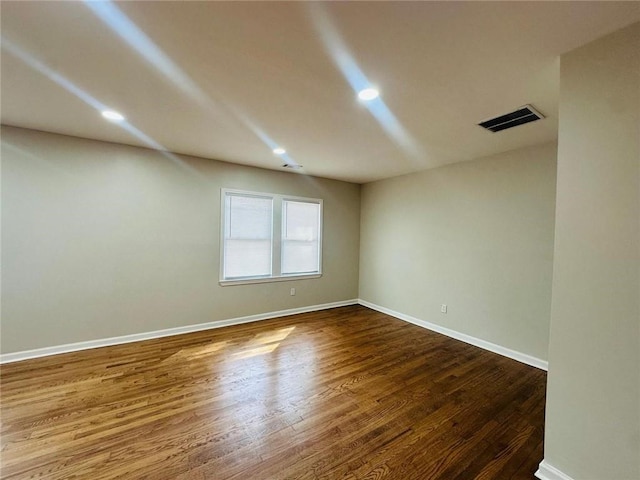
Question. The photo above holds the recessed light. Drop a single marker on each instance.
(113, 115)
(279, 151)
(368, 94)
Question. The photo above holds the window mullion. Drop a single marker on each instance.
(276, 256)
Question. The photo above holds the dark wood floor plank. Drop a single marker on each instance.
(346, 393)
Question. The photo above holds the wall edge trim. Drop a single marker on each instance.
(546, 471)
(167, 332)
(478, 342)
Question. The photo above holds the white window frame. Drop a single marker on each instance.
(276, 252)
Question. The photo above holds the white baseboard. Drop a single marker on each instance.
(137, 337)
(549, 472)
(492, 347)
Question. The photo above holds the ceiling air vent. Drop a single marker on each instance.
(521, 116)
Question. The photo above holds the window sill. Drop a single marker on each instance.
(284, 278)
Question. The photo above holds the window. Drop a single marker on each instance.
(300, 237)
(248, 240)
(268, 237)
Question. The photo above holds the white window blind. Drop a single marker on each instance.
(248, 236)
(268, 237)
(300, 237)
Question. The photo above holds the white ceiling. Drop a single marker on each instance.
(225, 80)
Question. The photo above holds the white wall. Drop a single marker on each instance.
(102, 240)
(593, 399)
(477, 236)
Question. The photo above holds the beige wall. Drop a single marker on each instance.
(593, 402)
(477, 236)
(102, 240)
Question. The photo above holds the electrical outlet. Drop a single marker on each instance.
(293, 291)
(443, 308)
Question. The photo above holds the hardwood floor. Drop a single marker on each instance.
(347, 393)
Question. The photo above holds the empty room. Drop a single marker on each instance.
(320, 240)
